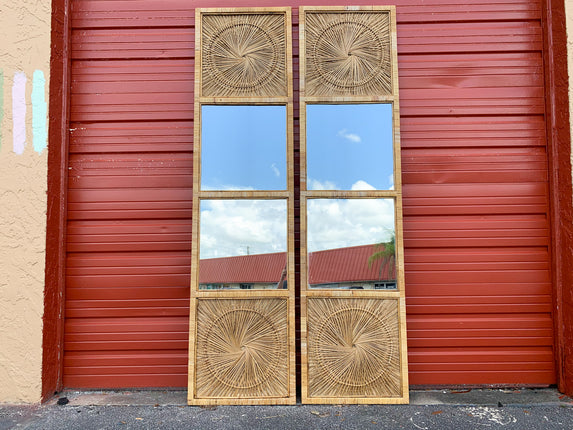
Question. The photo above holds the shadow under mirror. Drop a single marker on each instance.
(351, 244)
(243, 147)
(349, 147)
(243, 244)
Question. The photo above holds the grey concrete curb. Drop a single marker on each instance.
(460, 397)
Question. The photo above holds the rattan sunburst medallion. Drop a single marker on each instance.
(241, 348)
(243, 55)
(353, 347)
(348, 54)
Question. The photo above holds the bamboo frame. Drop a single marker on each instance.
(352, 296)
(248, 297)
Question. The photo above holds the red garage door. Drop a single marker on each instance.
(475, 192)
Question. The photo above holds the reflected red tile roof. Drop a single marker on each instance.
(348, 265)
(330, 266)
(258, 268)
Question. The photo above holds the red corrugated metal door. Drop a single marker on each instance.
(130, 180)
(475, 192)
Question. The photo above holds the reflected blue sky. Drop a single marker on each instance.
(349, 147)
(243, 147)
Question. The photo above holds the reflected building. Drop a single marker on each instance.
(246, 272)
(340, 268)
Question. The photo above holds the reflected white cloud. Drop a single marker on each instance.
(226, 188)
(338, 223)
(361, 185)
(241, 227)
(352, 137)
(313, 184)
(275, 170)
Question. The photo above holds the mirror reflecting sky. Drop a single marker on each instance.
(243, 148)
(349, 147)
(242, 227)
(339, 223)
(351, 244)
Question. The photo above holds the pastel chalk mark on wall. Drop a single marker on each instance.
(39, 112)
(19, 112)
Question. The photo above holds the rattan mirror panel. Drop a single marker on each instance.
(353, 329)
(241, 331)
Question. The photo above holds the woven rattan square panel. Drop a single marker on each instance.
(242, 348)
(353, 347)
(348, 53)
(243, 55)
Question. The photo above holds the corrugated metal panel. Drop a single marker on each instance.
(475, 191)
(135, 90)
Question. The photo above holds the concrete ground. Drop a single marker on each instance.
(432, 409)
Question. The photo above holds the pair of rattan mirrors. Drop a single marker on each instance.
(352, 313)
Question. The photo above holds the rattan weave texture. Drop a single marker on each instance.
(243, 55)
(242, 348)
(348, 54)
(353, 346)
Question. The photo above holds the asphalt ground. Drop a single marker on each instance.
(521, 409)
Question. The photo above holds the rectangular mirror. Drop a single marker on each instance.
(351, 244)
(349, 147)
(243, 147)
(243, 244)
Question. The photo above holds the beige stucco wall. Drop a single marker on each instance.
(25, 51)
